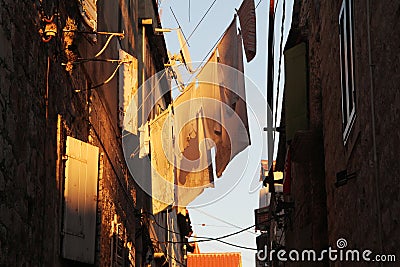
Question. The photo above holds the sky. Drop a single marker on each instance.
(229, 207)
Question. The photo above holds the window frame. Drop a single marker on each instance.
(346, 41)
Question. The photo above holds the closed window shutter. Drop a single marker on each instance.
(80, 195)
(296, 100)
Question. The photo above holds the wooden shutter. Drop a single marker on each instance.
(296, 99)
(80, 195)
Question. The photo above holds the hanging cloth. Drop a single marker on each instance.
(209, 92)
(192, 154)
(162, 161)
(144, 140)
(235, 136)
(247, 18)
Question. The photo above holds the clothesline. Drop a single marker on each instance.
(192, 126)
(198, 69)
(214, 108)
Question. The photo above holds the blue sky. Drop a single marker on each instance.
(230, 205)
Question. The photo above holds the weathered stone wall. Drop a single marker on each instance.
(352, 209)
(307, 227)
(31, 182)
(386, 78)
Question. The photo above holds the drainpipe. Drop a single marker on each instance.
(144, 97)
(372, 103)
(270, 81)
(142, 196)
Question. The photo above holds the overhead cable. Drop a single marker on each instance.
(201, 20)
(221, 220)
(179, 25)
(234, 245)
(206, 239)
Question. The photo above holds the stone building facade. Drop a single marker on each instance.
(341, 127)
(67, 197)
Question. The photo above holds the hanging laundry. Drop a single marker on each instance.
(160, 88)
(235, 135)
(162, 161)
(144, 140)
(185, 115)
(247, 18)
(209, 92)
(192, 154)
(127, 93)
(194, 169)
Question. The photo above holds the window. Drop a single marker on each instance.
(347, 66)
(296, 90)
(80, 196)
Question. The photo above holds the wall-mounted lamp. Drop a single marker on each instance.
(50, 29)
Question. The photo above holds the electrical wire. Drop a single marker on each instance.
(229, 235)
(166, 243)
(221, 220)
(209, 239)
(205, 239)
(120, 62)
(109, 78)
(235, 245)
(168, 255)
(121, 35)
(201, 20)
(209, 52)
(213, 47)
(106, 44)
(224, 242)
(179, 25)
(162, 227)
(213, 225)
(187, 39)
(159, 225)
(85, 60)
